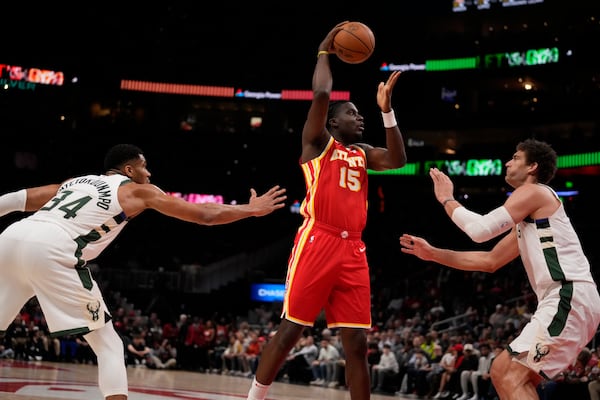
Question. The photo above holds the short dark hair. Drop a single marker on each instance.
(120, 154)
(541, 153)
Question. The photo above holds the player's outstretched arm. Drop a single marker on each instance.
(502, 253)
(149, 196)
(393, 155)
(30, 199)
(480, 228)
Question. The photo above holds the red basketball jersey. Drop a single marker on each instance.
(337, 187)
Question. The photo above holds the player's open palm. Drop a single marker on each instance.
(416, 246)
(442, 185)
(270, 201)
(384, 91)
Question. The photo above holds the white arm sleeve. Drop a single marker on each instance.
(481, 228)
(13, 201)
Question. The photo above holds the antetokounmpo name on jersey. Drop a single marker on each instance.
(104, 193)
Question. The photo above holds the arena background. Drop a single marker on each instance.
(212, 145)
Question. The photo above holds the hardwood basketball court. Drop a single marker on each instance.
(43, 380)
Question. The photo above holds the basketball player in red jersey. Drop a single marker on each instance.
(328, 266)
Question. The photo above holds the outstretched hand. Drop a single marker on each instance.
(384, 92)
(327, 43)
(442, 185)
(416, 246)
(272, 200)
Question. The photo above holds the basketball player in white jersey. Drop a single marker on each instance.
(568, 310)
(45, 254)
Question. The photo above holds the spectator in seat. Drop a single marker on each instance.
(382, 372)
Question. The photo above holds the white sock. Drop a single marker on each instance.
(258, 391)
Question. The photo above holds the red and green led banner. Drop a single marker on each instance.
(527, 58)
(12, 75)
(224, 91)
(486, 166)
(470, 167)
(176, 88)
(578, 160)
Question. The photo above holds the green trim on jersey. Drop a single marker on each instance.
(564, 307)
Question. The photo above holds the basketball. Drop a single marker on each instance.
(354, 43)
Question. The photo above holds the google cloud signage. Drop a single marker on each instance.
(267, 292)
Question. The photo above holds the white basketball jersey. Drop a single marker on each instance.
(551, 251)
(88, 209)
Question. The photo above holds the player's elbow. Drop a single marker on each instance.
(322, 93)
(482, 228)
(388, 163)
(399, 162)
(495, 267)
(478, 233)
(491, 264)
(394, 162)
(208, 219)
(206, 215)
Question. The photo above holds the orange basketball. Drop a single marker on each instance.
(354, 43)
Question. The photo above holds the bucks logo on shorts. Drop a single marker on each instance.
(540, 351)
(94, 310)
